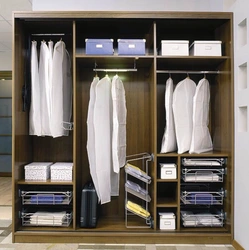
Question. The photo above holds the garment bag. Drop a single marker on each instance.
(102, 119)
(61, 90)
(201, 139)
(118, 132)
(91, 135)
(34, 113)
(44, 89)
(183, 113)
(169, 137)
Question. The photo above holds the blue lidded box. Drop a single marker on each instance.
(99, 46)
(131, 46)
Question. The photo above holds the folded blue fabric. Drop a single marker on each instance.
(46, 199)
(201, 198)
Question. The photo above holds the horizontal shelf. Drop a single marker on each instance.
(167, 180)
(113, 61)
(207, 154)
(48, 182)
(166, 202)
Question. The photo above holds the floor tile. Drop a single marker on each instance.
(5, 213)
(5, 223)
(165, 247)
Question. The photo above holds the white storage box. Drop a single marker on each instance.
(205, 48)
(62, 171)
(168, 170)
(175, 48)
(37, 171)
(167, 221)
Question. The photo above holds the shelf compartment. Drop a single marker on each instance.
(51, 219)
(46, 198)
(202, 198)
(202, 219)
(202, 174)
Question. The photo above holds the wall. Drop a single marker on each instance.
(129, 5)
(241, 90)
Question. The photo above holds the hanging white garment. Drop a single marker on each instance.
(61, 90)
(183, 113)
(169, 137)
(34, 113)
(118, 132)
(44, 89)
(201, 139)
(91, 135)
(102, 118)
(50, 75)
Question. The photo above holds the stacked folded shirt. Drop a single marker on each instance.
(48, 218)
(204, 178)
(137, 209)
(137, 172)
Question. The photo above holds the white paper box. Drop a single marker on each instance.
(167, 221)
(62, 171)
(168, 170)
(205, 48)
(175, 48)
(38, 171)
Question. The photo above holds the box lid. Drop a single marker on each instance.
(175, 41)
(167, 165)
(205, 42)
(131, 40)
(38, 165)
(62, 166)
(93, 40)
(167, 215)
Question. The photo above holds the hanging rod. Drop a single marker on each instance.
(116, 70)
(52, 34)
(188, 72)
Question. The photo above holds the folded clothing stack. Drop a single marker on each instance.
(48, 218)
(137, 209)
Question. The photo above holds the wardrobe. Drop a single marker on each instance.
(145, 90)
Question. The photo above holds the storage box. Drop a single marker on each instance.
(167, 221)
(62, 171)
(99, 46)
(175, 48)
(205, 48)
(168, 170)
(131, 46)
(38, 171)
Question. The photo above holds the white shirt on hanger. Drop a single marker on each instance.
(34, 113)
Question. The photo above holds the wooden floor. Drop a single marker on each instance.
(5, 191)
